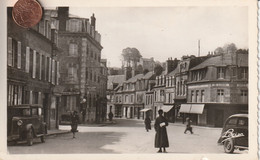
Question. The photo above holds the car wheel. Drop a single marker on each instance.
(30, 137)
(229, 146)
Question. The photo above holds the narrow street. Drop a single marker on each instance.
(126, 136)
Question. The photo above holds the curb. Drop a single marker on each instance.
(57, 133)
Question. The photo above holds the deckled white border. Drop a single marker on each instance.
(253, 92)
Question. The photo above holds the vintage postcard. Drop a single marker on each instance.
(129, 79)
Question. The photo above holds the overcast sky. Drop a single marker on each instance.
(167, 31)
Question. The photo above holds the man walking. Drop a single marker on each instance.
(188, 126)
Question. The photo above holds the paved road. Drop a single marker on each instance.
(126, 136)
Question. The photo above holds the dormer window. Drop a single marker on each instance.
(221, 73)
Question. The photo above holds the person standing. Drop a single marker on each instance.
(147, 123)
(161, 138)
(188, 126)
(110, 116)
(74, 122)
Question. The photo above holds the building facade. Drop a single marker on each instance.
(83, 74)
(33, 68)
(220, 86)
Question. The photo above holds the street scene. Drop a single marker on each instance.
(161, 80)
(124, 136)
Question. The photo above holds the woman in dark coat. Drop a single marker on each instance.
(74, 122)
(161, 138)
(147, 123)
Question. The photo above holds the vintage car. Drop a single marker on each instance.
(25, 122)
(234, 134)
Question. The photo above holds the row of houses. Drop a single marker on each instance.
(57, 64)
(207, 89)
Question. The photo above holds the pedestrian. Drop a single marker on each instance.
(110, 116)
(74, 122)
(188, 125)
(147, 123)
(161, 138)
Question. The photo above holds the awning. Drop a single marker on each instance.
(192, 108)
(185, 108)
(145, 110)
(166, 108)
(197, 108)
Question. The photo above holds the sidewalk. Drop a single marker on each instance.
(56, 132)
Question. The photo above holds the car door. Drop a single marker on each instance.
(242, 132)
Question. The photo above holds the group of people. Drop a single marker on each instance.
(161, 137)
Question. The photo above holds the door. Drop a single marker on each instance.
(219, 114)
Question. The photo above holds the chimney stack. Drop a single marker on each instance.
(93, 21)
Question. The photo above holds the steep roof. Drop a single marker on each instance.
(148, 75)
(135, 78)
(115, 79)
(221, 61)
(176, 70)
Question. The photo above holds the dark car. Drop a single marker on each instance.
(25, 122)
(234, 134)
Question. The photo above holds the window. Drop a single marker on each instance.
(197, 96)
(72, 73)
(34, 65)
(244, 96)
(221, 73)
(43, 65)
(220, 95)
(73, 49)
(244, 72)
(31, 63)
(27, 60)
(37, 69)
(71, 103)
(126, 98)
(74, 25)
(202, 96)
(192, 96)
(132, 98)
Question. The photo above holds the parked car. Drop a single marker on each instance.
(25, 122)
(234, 134)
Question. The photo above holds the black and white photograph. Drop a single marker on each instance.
(157, 80)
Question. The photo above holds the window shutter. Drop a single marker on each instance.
(40, 69)
(34, 64)
(19, 55)
(49, 78)
(57, 73)
(53, 71)
(10, 53)
(27, 60)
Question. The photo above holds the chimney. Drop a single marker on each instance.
(93, 21)
(63, 15)
(171, 65)
(127, 73)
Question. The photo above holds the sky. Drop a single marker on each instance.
(163, 32)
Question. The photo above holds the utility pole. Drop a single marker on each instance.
(198, 48)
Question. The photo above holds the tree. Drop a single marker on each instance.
(242, 51)
(230, 48)
(219, 50)
(158, 69)
(131, 54)
(227, 48)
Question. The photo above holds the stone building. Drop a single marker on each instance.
(218, 88)
(83, 74)
(33, 68)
